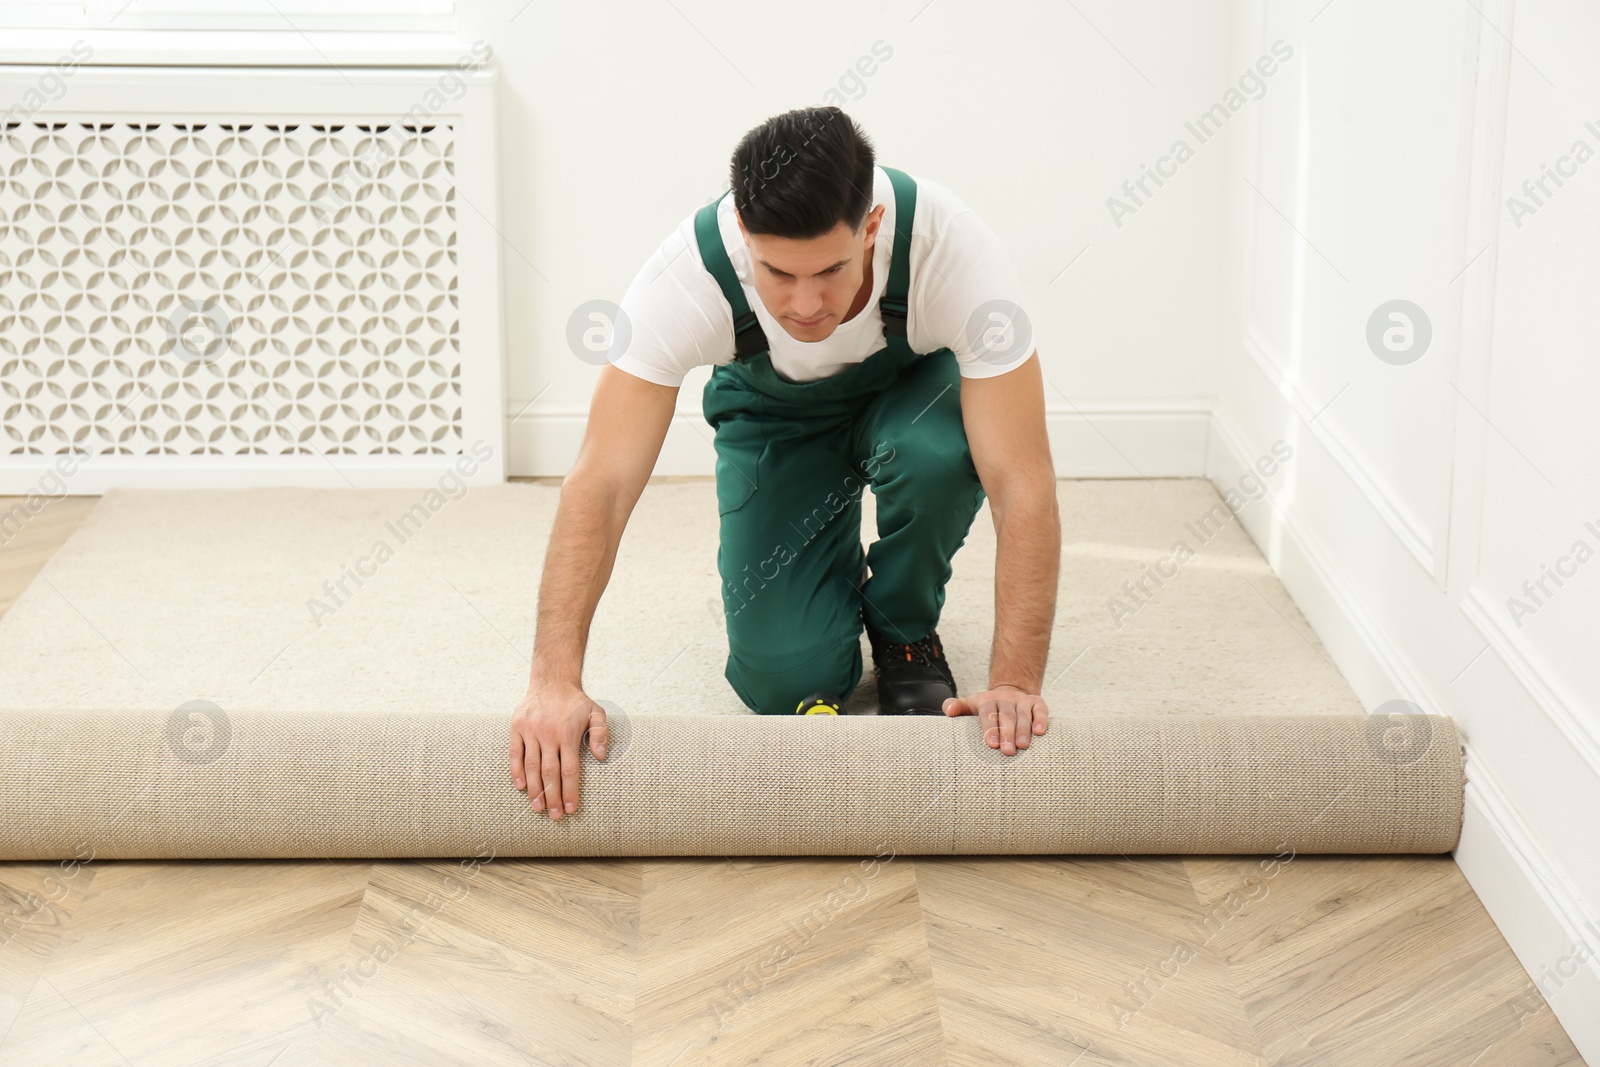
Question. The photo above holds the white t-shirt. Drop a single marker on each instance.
(964, 295)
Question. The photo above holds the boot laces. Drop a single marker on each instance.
(926, 651)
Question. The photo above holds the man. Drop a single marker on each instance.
(864, 328)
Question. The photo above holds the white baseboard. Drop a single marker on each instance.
(1542, 917)
(1537, 915)
(1090, 439)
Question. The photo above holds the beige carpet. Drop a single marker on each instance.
(164, 597)
(171, 656)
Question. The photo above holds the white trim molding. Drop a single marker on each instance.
(1399, 520)
(1531, 673)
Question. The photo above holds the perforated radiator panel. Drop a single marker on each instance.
(216, 288)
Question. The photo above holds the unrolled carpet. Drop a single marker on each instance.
(280, 673)
(200, 783)
(358, 600)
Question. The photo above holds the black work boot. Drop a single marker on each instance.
(914, 678)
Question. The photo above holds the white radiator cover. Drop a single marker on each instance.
(216, 277)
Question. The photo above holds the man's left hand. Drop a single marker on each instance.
(1010, 717)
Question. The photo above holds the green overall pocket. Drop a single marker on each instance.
(741, 445)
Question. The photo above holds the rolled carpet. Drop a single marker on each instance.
(198, 783)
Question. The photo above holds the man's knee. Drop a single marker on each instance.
(770, 684)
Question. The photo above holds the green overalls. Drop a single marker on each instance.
(792, 460)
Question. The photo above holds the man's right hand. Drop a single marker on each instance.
(547, 744)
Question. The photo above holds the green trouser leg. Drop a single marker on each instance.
(790, 474)
(927, 492)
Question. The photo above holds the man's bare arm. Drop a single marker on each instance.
(628, 422)
(1004, 420)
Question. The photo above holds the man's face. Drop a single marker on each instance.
(810, 286)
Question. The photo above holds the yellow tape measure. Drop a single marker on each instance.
(817, 704)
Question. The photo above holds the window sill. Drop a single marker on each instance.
(220, 48)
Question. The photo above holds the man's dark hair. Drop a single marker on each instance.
(801, 173)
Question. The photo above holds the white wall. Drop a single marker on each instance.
(618, 120)
(1423, 494)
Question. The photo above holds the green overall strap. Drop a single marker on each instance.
(894, 306)
(749, 339)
